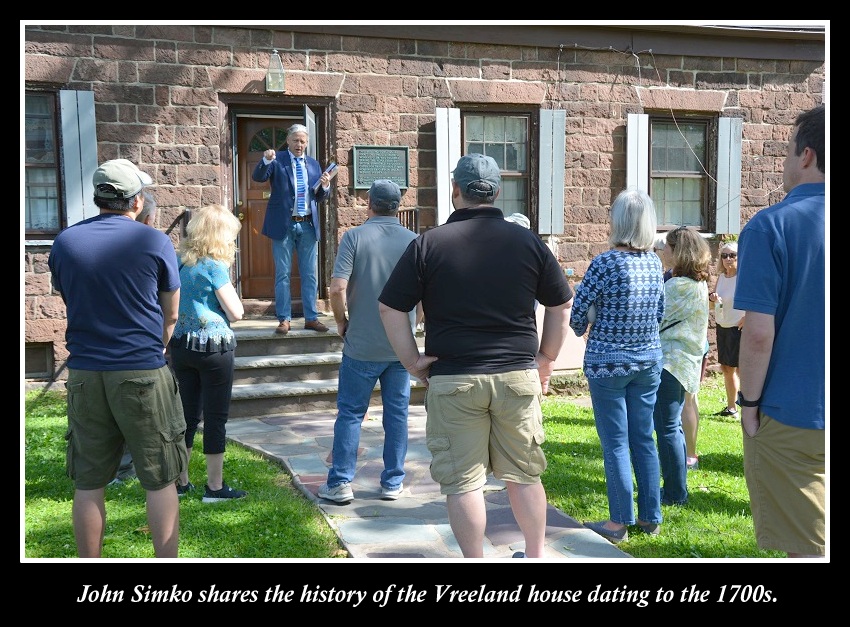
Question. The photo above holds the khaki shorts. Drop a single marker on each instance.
(478, 423)
(141, 407)
(785, 469)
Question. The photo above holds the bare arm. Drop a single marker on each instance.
(756, 349)
(338, 304)
(397, 325)
(556, 324)
(170, 304)
(229, 301)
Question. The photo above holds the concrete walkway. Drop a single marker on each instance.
(416, 525)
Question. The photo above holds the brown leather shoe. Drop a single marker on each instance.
(315, 325)
(283, 327)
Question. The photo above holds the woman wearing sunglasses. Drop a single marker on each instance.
(729, 322)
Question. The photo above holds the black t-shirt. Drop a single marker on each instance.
(478, 277)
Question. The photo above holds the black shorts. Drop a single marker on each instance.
(728, 345)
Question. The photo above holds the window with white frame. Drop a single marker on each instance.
(690, 166)
(532, 165)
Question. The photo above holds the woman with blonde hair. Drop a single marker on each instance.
(203, 344)
(728, 322)
(683, 331)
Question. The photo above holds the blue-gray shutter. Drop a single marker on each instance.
(79, 153)
(553, 131)
(448, 152)
(729, 175)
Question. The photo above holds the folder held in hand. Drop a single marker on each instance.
(331, 169)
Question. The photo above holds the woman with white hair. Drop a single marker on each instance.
(729, 322)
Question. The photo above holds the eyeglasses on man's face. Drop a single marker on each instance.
(728, 255)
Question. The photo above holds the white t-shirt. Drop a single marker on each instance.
(726, 316)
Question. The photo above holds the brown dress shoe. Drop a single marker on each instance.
(315, 325)
(283, 327)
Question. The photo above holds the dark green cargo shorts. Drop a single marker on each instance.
(141, 407)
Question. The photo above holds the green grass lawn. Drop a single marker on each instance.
(715, 523)
(276, 521)
(280, 522)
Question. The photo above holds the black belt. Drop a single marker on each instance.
(302, 218)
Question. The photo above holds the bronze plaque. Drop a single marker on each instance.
(380, 162)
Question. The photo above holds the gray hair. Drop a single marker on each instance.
(633, 220)
(148, 209)
(297, 128)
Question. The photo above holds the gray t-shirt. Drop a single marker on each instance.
(367, 256)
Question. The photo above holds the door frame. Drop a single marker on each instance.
(233, 106)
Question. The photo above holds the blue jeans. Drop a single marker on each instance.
(357, 380)
(623, 408)
(301, 238)
(672, 451)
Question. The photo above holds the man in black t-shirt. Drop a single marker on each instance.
(478, 277)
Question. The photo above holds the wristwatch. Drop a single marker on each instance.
(742, 402)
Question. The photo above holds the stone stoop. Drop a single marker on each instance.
(293, 373)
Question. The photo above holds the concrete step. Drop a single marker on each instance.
(294, 373)
(271, 368)
(256, 400)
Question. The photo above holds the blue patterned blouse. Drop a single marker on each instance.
(628, 291)
(202, 324)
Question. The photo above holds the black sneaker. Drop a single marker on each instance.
(183, 490)
(225, 494)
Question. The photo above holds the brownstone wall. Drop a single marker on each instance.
(157, 92)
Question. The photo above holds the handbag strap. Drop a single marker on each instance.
(669, 326)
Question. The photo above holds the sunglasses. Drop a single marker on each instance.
(728, 255)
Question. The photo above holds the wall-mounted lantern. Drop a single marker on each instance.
(275, 78)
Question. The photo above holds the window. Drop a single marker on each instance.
(41, 198)
(678, 181)
(690, 166)
(505, 138)
(60, 158)
(532, 161)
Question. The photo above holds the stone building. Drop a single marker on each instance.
(697, 115)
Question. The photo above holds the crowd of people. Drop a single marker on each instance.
(151, 346)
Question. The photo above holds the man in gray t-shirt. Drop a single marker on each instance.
(367, 256)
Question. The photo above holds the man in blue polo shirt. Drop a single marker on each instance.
(782, 366)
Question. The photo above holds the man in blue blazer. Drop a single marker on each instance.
(292, 223)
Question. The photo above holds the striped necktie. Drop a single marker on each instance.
(300, 188)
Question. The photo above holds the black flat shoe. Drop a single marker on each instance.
(615, 537)
(652, 529)
(727, 412)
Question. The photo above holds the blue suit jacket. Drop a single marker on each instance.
(282, 199)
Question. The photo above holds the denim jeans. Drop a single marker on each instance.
(623, 408)
(357, 379)
(671, 440)
(301, 238)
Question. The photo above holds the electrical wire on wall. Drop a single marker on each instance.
(653, 65)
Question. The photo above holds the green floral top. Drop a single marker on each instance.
(683, 343)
